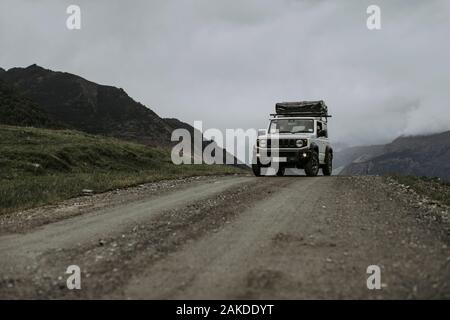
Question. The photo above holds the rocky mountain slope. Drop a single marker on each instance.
(20, 111)
(427, 155)
(86, 106)
(344, 157)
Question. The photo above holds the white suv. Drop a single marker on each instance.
(297, 137)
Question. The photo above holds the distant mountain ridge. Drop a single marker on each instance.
(425, 155)
(345, 156)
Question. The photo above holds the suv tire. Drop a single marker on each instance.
(280, 172)
(312, 166)
(256, 170)
(327, 168)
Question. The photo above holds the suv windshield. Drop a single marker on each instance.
(291, 126)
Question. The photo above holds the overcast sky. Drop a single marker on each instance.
(227, 62)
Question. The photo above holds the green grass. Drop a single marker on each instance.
(433, 188)
(40, 166)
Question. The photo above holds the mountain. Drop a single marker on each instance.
(19, 111)
(86, 106)
(39, 97)
(177, 124)
(427, 155)
(344, 157)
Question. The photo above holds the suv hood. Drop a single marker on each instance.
(288, 136)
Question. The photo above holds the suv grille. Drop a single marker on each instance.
(283, 143)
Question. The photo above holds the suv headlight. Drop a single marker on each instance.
(300, 143)
(263, 143)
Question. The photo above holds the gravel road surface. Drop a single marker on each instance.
(232, 237)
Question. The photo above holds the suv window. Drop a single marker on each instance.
(291, 126)
(321, 127)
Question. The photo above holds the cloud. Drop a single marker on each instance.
(228, 62)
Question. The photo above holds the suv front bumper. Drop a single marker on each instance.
(288, 157)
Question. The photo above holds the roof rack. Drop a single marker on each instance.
(301, 114)
(316, 109)
(306, 115)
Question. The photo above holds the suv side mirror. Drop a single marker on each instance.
(262, 132)
(322, 133)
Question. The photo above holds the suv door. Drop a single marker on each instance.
(322, 141)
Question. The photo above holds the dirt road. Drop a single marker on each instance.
(231, 237)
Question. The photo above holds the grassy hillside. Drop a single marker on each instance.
(40, 166)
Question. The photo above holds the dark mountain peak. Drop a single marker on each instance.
(36, 69)
(31, 68)
(2, 70)
(88, 106)
(34, 66)
(35, 72)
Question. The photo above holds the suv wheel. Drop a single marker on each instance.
(256, 170)
(327, 168)
(312, 166)
(280, 172)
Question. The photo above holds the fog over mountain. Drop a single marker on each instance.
(228, 62)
